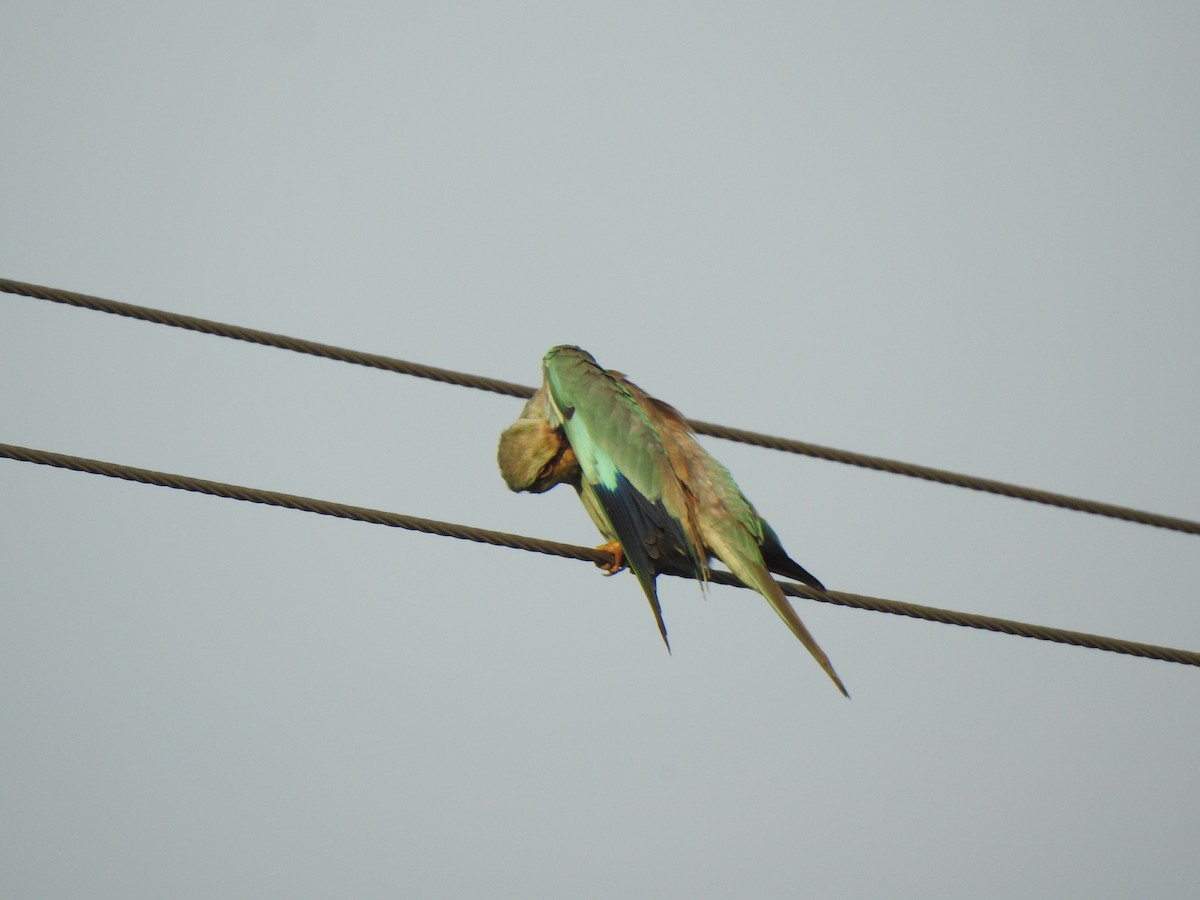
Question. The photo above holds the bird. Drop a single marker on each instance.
(660, 500)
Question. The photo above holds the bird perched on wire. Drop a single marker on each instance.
(662, 502)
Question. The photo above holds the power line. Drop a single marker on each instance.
(570, 551)
(508, 388)
(480, 382)
(956, 479)
(266, 338)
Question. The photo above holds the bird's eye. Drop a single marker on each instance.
(545, 470)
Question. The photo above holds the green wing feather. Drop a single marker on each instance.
(626, 473)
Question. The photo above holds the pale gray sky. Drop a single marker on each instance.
(958, 234)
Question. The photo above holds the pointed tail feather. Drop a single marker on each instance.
(779, 600)
(753, 574)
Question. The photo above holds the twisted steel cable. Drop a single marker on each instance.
(266, 338)
(508, 388)
(570, 551)
(957, 479)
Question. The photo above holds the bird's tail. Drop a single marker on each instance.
(780, 602)
(755, 575)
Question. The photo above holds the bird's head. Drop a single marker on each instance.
(535, 457)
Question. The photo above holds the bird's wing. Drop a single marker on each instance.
(778, 561)
(626, 471)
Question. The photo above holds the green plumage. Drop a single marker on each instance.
(647, 483)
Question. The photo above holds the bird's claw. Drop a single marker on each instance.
(613, 549)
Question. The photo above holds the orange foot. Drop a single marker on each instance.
(613, 548)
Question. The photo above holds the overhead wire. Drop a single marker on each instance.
(570, 551)
(508, 388)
